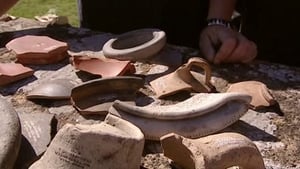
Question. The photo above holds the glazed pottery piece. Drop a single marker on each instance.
(216, 151)
(32, 49)
(184, 80)
(103, 66)
(11, 72)
(10, 133)
(261, 96)
(201, 115)
(114, 144)
(135, 45)
(55, 90)
(96, 96)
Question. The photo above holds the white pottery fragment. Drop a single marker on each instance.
(113, 144)
(201, 115)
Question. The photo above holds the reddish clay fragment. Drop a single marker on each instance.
(11, 72)
(38, 49)
(259, 92)
(102, 66)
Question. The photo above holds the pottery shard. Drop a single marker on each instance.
(10, 133)
(11, 72)
(55, 89)
(103, 66)
(114, 143)
(31, 49)
(201, 115)
(136, 45)
(36, 128)
(217, 151)
(261, 96)
(184, 79)
(96, 96)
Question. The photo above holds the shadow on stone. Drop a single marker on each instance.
(26, 156)
(252, 132)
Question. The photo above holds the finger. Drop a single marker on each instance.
(244, 52)
(252, 53)
(207, 48)
(225, 50)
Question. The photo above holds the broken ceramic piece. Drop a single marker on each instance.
(103, 66)
(55, 89)
(184, 80)
(11, 72)
(198, 116)
(135, 45)
(32, 49)
(259, 92)
(10, 135)
(216, 151)
(96, 96)
(36, 128)
(53, 19)
(114, 143)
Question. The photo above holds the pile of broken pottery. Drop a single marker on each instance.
(188, 130)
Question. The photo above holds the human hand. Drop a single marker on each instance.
(220, 44)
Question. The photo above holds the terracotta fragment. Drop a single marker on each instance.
(201, 115)
(217, 151)
(31, 49)
(55, 89)
(135, 45)
(259, 92)
(96, 96)
(11, 72)
(103, 66)
(184, 80)
(114, 143)
(10, 135)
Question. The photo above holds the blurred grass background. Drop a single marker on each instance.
(31, 8)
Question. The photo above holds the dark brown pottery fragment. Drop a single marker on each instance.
(55, 89)
(31, 49)
(103, 66)
(11, 72)
(259, 92)
(96, 96)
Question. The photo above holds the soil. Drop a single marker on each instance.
(275, 129)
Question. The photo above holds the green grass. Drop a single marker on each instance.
(31, 8)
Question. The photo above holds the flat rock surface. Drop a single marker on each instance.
(275, 130)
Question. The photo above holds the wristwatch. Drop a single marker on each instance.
(217, 21)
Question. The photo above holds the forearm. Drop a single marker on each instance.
(5, 5)
(222, 9)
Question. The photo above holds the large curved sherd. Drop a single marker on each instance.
(114, 143)
(201, 115)
(10, 135)
(217, 151)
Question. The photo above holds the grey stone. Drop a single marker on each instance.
(10, 133)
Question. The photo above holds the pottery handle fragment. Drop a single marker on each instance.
(201, 63)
